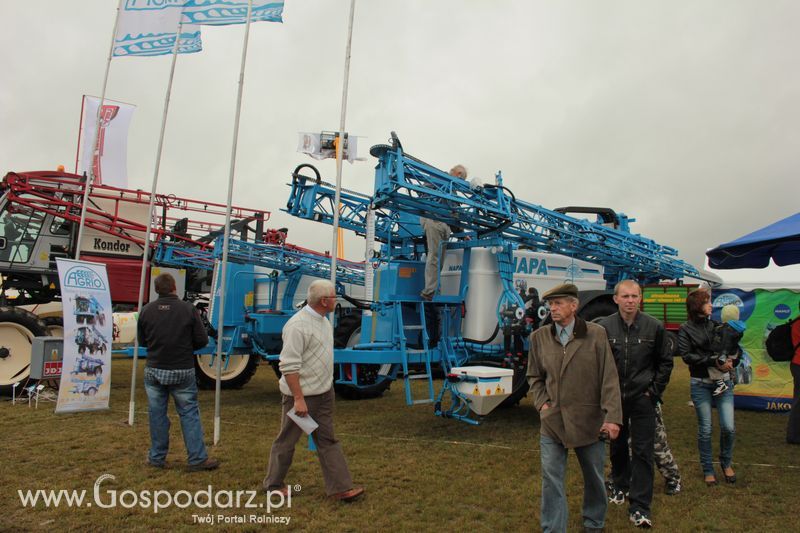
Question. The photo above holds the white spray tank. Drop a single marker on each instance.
(531, 269)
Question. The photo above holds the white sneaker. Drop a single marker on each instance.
(640, 519)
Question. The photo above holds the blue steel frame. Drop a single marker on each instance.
(241, 331)
(406, 188)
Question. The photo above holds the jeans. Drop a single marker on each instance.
(632, 465)
(554, 499)
(702, 398)
(184, 394)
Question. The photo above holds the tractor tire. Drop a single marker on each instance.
(597, 309)
(55, 326)
(348, 334)
(240, 371)
(18, 327)
(276, 369)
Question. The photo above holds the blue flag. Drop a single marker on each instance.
(156, 44)
(223, 12)
(149, 28)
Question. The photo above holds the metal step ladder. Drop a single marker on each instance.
(422, 328)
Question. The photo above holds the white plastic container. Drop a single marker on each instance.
(492, 386)
(531, 269)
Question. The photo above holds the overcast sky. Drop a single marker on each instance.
(684, 115)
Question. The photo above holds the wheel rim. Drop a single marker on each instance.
(17, 340)
(236, 365)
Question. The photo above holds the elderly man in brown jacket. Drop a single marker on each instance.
(575, 387)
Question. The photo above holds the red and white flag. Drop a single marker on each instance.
(110, 160)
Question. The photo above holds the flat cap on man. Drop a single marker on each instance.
(561, 291)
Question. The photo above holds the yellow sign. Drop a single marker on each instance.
(664, 298)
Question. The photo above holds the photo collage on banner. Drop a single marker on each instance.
(86, 300)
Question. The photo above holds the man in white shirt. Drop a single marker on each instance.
(306, 362)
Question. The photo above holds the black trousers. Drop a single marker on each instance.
(632, 466)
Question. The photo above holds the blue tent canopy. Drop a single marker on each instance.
(779, 241)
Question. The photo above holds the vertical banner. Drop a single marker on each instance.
(763, 384)
(110, 162)
(86, 301)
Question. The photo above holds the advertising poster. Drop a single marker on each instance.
(763, 384)
(86, 372)
(105, 150)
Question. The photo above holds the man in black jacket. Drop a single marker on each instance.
(644, 363)
(172, 329)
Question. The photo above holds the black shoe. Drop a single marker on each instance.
(672, 487)
(208, 464)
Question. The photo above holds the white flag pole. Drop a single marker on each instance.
(146, 251)
(340, 146)
(95, 151)
(225, 243)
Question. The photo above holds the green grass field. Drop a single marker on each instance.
(422, 473)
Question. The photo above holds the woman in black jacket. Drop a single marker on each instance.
(696, 346)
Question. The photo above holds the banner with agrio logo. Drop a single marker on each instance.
(86, 301)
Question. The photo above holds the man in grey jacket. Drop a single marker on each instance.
(575, 387)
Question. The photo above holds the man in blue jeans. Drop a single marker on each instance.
(575, 387)
(171, 329)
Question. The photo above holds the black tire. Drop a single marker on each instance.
(55, 326)
(17, 329)
(91, 391)
(597, 309)
(240, 371)
(276, 369)
(347, 334)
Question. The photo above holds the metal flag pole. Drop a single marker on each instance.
(146, 250)
(95, 151)
(225, 244)
(340, 145)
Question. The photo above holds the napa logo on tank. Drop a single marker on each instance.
(88, 328)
